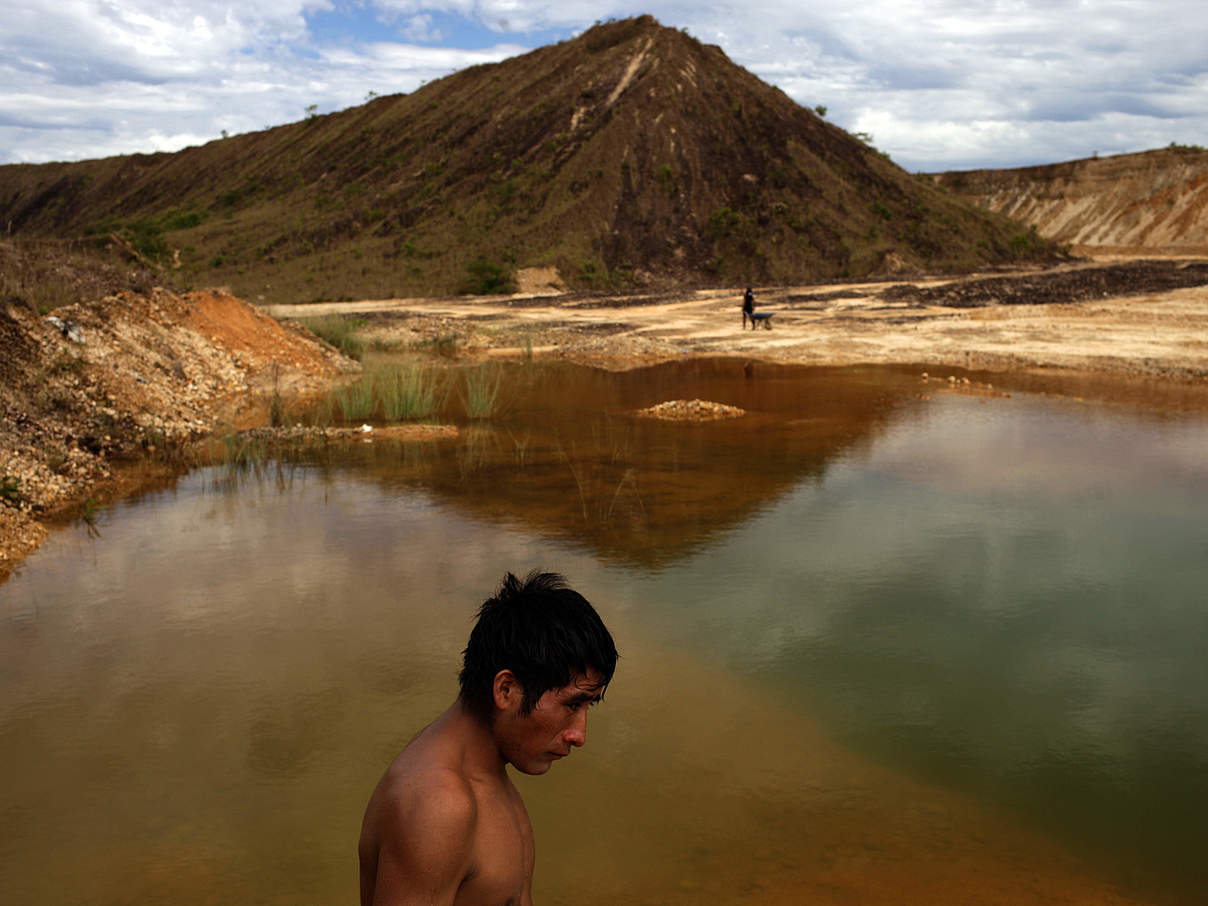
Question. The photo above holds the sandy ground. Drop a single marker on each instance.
(1162, 334)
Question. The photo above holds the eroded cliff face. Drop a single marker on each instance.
(1156, 200)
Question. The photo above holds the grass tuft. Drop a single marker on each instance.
(482, 387)
(407, 391)
(358, 400)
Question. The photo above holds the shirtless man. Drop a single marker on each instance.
(445, 824)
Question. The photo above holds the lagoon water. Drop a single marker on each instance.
(879, 645)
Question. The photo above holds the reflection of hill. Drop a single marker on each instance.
(570, 459)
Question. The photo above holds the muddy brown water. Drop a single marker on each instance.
(880, 644)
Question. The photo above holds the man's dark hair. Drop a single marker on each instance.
(543, 631)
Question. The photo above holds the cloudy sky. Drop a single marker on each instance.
(939, 84)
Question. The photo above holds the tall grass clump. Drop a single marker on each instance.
(482, 388)
(407, 391)
(358, 400)
(339, 331)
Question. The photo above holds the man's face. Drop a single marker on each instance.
(558, 723)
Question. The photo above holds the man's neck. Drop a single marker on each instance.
(476, 746)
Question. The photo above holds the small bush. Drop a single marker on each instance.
(145, 236)
(723, 222)
(487, 278)
(1026, 244)
(183, 221)
(665, 177)
(591, 273)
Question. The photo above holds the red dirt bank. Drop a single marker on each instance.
(131, 378)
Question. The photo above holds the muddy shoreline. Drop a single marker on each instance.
(88, 423)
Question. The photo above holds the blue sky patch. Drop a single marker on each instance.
(362, 24)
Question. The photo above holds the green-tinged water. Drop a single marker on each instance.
(879, 645)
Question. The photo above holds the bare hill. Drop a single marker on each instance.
(631, 155)
(1155, 200)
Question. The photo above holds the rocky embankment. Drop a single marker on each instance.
(130, 378)
(1155, 200)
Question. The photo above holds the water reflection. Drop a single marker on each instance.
(873, 650)
(570, 459)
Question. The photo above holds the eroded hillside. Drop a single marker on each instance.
(633, 155)
(1155, 200)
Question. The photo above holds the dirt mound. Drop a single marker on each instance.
(129, 375)
(692, 411)
(533, 281)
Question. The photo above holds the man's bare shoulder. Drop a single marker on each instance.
(420, 791)
(417, 841)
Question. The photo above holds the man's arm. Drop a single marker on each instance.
(424, 843)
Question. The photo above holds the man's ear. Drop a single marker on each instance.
(507, 691)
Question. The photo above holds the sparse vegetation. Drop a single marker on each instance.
(276, 408)
(666, 179)
(481, 394)
(387, 390)
(723, 222)
(88, 514)
(46, 274)
(339, 331)
(10, 488)
(1027, 243)
(590, 273)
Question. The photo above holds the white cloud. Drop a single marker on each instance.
(939, 83)
(420, 28)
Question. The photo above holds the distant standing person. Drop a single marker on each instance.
(748, 308)
(445, 824)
